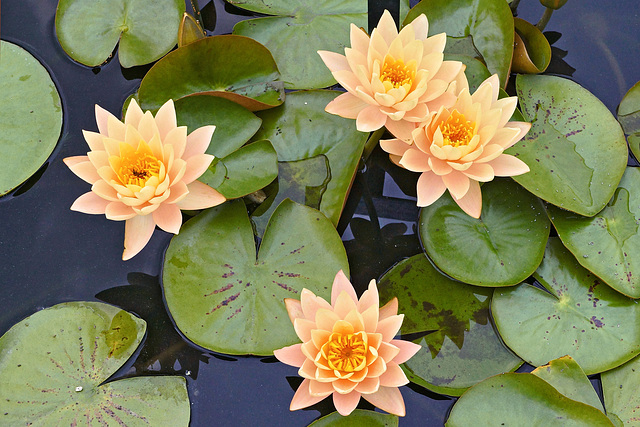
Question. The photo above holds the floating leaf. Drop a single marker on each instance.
(301, 129)
(451, 320)
(521, 400)
(475, 71)
(608, 244)
(629, 118)
(53, 366)
(246, 170)
(224, 299)
(232, 67)
(579, 316)
(477, 28)
(31, 116)
(620, 390)
(502, 248)
(358, 418)
(322, 24)
(531, 50)
(575, 149)
(189, 30)
(89, 30)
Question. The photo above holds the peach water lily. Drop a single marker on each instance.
(348, 349)
(144, 171)
(460, 146)
(392, 79)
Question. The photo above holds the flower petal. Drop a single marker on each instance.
(196, 165)
(303, 397)
(508, 165)
(346, 403)
(294, 308)
(390, 326)
(389, 309)
(346, 105)
(198, 141)
(370, 119)
(168, 217)
(134, 114)
(429, 188)
(166, 118)
(200, 196)
(471, 203)
(137, 233)
(291, 355)
(407, 350)
(90, 203)
(83, 168)
(342, 284)
(388, 399)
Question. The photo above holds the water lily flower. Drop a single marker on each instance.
(392, 79)
(348, 349)
(143, 171)
(460, 146)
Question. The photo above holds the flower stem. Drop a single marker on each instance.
(544, 20)
(371, 143)
(196, 12)
(514, 5)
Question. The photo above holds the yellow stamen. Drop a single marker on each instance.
(397, 73)
(457, 130)
(346, 352)
(136, 167)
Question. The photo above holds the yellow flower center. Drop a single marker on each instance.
(457, 130)
(347, 352)
(396, 73)
(136, 167)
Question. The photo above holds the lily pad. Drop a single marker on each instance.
(521, 400)
(475, 71)
(358, 418)
(477, 28)
(54, 364)
(501, 248)
(575, 149)
(31, 116)
(629, 118)
(577, 315)
(301, 129)
(322, 24)
(451, 320)
(620, 390)
(608, 244)
(224, 298)
(231, 67)
(531, 51)
(89, 30)
(245, 171)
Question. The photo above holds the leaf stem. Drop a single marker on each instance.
(514, 6)
(371, 143)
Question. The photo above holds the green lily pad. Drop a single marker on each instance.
(224, 298)
(475, 71)
(620, 390)
(322, 24)
(579, 316)
(501, 248)
(451, 320)
(521, 400)
(358, 418)
(88, 30)
(245, 171)
(301, 129)
(231, 67)
(31, 116)
(54, 363)
(531, 51)
(629, 118)
(477, 28)
(566, 376)
(608, 244)
(575, 149)
(303, 181)
(235, 125)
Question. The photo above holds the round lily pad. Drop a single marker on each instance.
(451, 321)
(322, 24)
(358, 418)
(233, 67)
(501, 248)
(608, 244)
(89, 30)
(577, 315)
(478, 28)
(53, 366)
(224, 298)
(620, 389)
(629, 117)
(521, 400)
(575, 149)
(31, 117)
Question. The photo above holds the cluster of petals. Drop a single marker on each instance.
(392, 79)
(143, 171)
(347, 349)
(459, 146)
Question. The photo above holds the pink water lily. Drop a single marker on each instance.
(392, 79)
(143, 171)
(459, 146)
(348, 349)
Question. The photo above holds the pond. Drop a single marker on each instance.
(50, 254)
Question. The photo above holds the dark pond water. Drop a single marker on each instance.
(49, 254)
